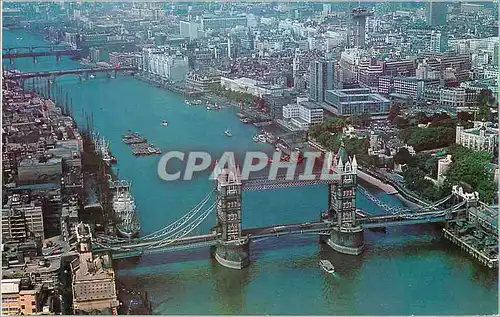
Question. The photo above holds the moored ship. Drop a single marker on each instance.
(125, 210)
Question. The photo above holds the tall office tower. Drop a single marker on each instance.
(439, 42)
(435, 13)
(495, 55)
(359, 22)
(321, 79)
(327, 9)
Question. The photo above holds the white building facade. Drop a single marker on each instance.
(166, 66)
(303, 114)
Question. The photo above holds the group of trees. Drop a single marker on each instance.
(485, 101)
(414, 173)
(431, 137)
(468, 167)
(471, 168)
(329, 135)
(439, 132)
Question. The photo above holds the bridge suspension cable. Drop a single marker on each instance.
(168, 229)
(185, 231)
(398, 210)
(173, 237)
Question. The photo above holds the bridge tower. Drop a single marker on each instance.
(231, 249)
(346, 235)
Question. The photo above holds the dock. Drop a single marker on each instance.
(466, 243)
(133, 138)
(144, 149)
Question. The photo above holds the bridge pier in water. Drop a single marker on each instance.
(232, 249)
(346, 236)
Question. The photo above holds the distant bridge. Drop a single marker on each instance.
(82, 71)
(58, 53)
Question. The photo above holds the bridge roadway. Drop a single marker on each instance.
(131, 249)
(264, 183)
(16, 76)
(41, 54)
(32, 48)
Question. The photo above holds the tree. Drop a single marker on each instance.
(394, 112)
(402, 156)
(472, 168)
(401, 122)
(485, 100)
(465, 116)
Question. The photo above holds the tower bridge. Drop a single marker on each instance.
(341, 226)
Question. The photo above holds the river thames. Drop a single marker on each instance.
(408, 270)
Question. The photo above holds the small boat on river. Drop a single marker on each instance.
(327, 266)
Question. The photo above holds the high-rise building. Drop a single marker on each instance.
(435, 13)
(321, 79)
(495, 55)
(189, 29)
(359, 16)
(220, 23)
(439, 42)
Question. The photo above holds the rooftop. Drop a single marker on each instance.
(310, 105)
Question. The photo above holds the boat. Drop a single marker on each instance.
(255, 138)
(327, 266)
(113, 160)
(125, 210)
(151, 149)
(217, 107)
(209, 108)
(228, 133)
(262, 138)
(164, 123)
(91, 76)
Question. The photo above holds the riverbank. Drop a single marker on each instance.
(377, 182)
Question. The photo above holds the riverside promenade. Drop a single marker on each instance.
(388, 189)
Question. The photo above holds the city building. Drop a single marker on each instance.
(221, 23)
(412, 87)
(479, 138)
(443, 165)
(190, 30)
(250, 86)
(438, 42)
(21, 219)
(20, 298)
(32, 170)
(321, 79)
(201, 82)
(436, 13)
(346, 102)
(164, 65)
(303, 114)
(93, 282)
(125, 59)
(359, 16)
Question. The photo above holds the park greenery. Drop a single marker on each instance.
(468, 168)
(329, 135)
